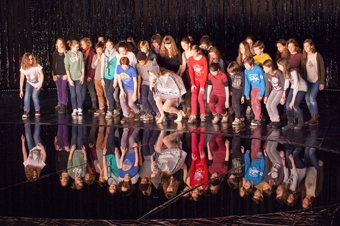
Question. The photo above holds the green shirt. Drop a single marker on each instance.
(74, 63)
(76, 167)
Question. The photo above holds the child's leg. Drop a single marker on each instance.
(194, 95)
(131, 103)
(220, 106)
(236, 102)
(168, 106)
(212, 104)
(123, 104)
(27, 97)
(100, 93)
(256, 103)
(255, 150)
(200, 97)
(271, 106)
(79, 97)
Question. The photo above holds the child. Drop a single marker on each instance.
(144, 65)
(237, 86)
(198, 72)
(145, 48)
(74, 64)
(127, 80)
(275, 92)
(218, 100)
(97, 64)
(260, 56)
(76, 165)
(34, 80)
(254, 78)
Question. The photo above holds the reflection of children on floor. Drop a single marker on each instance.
(34, 162)
(237, 161)
(62, 147)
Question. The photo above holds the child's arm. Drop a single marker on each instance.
(43, 152)
(209, 92)
(136, 156)
(41, 79)
(122, 156)
(23, 148)
(104, 164)
(262, 84)
(227, 151)
(246, 86)
(134, 95)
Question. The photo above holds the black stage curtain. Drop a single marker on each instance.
(35, 25)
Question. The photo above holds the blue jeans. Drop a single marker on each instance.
(32, 141)
(31, 91)
(76, 95)
(148, 101)
(312, 92)
(109, 90)
(299, 96)
(77, 137)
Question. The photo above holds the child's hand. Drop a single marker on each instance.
(83, 149)
(116, 151)
(242, 100)
(104, 151)
(227, 104)
(193, 87)
(123, 149)
(134, 97)
(22, 138)
(193, 156)
(291, 158)
(201, 90)
(320, 162)
(242, 149)
(122, 94)
(265, 100)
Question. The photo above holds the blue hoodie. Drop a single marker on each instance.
(254, 78)
(254, 170)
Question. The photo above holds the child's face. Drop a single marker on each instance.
(280, 47)
(60, 44)
(194, 53)
(125, 67)
(142, 62)
(290, 198)
(307, 47)
(155, 44)
(127, 178)
(122, 51)
(258, 51)
(267, 187)
(247, 66)
(292, 48)
(112, 189)
(109, 45)
(258, 194)
(75, 48)
(168, 46)
(185, 45)
(99, 51)
(267, 69)
(280, 67)
(212, 55)
(144, 49)
(83, 45)
(242, 49)
(247, 185)
(214, 73)
(279, 191)
(78, 181)
(250, 42)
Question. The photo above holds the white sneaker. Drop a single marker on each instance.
(80, 112)
(75, 112)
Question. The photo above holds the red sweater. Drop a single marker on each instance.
(198, 70)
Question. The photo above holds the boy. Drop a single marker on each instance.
(260, 56)
(254, 77)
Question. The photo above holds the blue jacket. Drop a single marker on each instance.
(254, 78)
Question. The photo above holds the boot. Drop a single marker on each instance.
(94, 107)
(313, 121)
(300, 123)
(62, 109)
(290, 118)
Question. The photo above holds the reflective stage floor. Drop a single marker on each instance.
(45, 201)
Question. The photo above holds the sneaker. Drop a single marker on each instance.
(225, 118)
(58, 106)
(255, 123)
(276, 125)
(216, 119)
(150, 118)
(192, 119)
(203, 117)
(108, 114)
(99, 112)
(270, 125)
(115, 113)
(75, 112)
(25, 114)
(37, 113)
(236, 122)
(80, 112)
(123, 120)
(137, 116)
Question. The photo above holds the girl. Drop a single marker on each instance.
(296, 93)
(313, 70)
(198, 72)
(35, 161)
(74, 65)
(295, 54)
(34, 80)
(250, 41)
(88, 53)
(127, 80)
(156, 42)
(275, 92)
(109, 79)
(186, 46)
(170, 57)
(282, 51)
(215, 57)
(98, 65)
(168, 89)
(59, 74)
(218, 99)
(205, 45)
(132, 45)
(145, 48)
(237, 86)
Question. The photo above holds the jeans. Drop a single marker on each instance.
(76, 95)
(149, 139)
(77, 137)
(312, 92)
(90, 87)
(109, 90)
(113, 141)
(63, 136)
(272, 102)
(31, 91)
(32, 142)
(61, 89)
(298, 161)
(299, 96)
(148, 101)
(236, 102)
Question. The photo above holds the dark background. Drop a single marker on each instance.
(34, 25)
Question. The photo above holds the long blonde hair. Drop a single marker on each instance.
(62, 40)
(25, 62)
(173, 48)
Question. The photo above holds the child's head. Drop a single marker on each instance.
(73, 45)
(258, 47)
(248, 62)
(142, 58)
(101, 38)
(281, 193)
(293, 46)
(77, 183)
(144, 46)
(186, 43)
(214, 55)
(258, 196)
(63, 178)
(89, 178)
(170, 185)
(32, 172)
(269, 66)
(112, 189)
(250, 41)
(197, 193)
(234, 181)
(99, 47)
(145, 186)
(284, 66)
(267, 188)
(195, 50)
(281, 45)
(205, 42)
(308, 46)
(124, 61)
(214, 184)
(85, 43)
(109, 44)
(307, 202)
(122, 48)
(156, 41)
(291, 199)
(246, 188)
(244, 48)
(214, 68)
(125, 187)
(233, 68)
